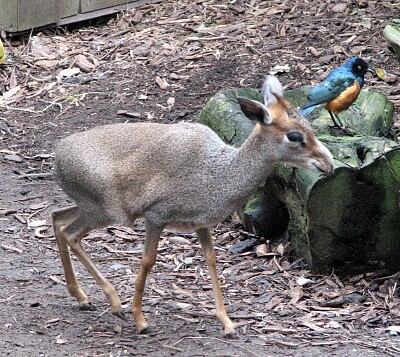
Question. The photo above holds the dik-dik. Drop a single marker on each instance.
(180, 176)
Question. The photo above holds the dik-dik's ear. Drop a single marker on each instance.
(254, 110)
(271, 90)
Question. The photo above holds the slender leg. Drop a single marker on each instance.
(334, 118)
(61, 218)
(71, 233)
(148, 260)
(205, 238)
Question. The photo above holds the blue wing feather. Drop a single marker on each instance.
(337, 81)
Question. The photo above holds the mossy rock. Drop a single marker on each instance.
(392, 36)
(371, 114)
(349, 221)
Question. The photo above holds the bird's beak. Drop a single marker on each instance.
(370, 70)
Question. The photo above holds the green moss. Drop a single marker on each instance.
(224, 115)
(344, 221)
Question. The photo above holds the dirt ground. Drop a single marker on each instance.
(162, 63)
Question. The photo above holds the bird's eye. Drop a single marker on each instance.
(295, 137)
(359, 67)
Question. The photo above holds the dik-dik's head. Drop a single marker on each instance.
(290, 137)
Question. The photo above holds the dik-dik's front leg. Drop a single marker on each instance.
(148, 260)
(205, 238)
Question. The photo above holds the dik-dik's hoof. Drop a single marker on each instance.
(229, 330)
(121, 315)
(87, 307)
(143, 330)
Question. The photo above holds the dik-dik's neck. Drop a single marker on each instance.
(255, 160)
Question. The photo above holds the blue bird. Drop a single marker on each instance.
(339, 90)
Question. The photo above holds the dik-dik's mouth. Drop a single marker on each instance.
(326, 171)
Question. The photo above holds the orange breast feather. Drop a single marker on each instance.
(344, 99)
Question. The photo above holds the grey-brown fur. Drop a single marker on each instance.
(180, 175)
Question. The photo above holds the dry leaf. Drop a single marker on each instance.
(171, 102)
(280, 69)
(179, 240)
(13, 79)
(387, 77)
(47, 64)
(83, 64)
(69, 72)
(262, 250)
(10, 93)
(313, 51)
(338, 8)
(394, 328)
(162, 83)
(36, 223)
(302, 281)
(296, 294)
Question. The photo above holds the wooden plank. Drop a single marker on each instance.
(92, 5)
(36, 13)
(9, 15)
(104, 12)
(68, 7)
(23, 15)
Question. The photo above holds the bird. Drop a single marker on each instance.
(339, 90)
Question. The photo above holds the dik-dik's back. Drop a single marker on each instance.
(179, 175)
(180, 172)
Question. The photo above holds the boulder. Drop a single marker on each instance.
(349, 221)
(392, 36)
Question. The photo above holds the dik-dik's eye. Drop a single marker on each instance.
(295, 137)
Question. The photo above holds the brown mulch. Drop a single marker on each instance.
(162, 62)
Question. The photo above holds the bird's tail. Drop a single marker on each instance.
(307, 110)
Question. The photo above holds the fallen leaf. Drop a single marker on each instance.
(37, 206)
(393, 328)
(179, 240)
(302, 281)
(162, 83)
(10, 93)
(280, 69)
(47, 64)
(14, 158)
(262, 250)
(69, 72)
(296, 294)
(140, 51)
(9, 247)
(341, 7)
(314, 51)
(84, 64)
(129, 114)
(13, 79)
(39, 232)
(171, 102)
(142, 97)
(36, 223)
(387, 77)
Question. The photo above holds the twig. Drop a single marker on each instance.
(394, 276)
(37, 175)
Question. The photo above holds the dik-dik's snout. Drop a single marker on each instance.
(322, 160)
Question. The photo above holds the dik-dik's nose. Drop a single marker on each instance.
(325, 161)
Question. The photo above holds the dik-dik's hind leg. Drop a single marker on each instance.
(61, 218)
(148, 260)
(70, 231)
(205, 238)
